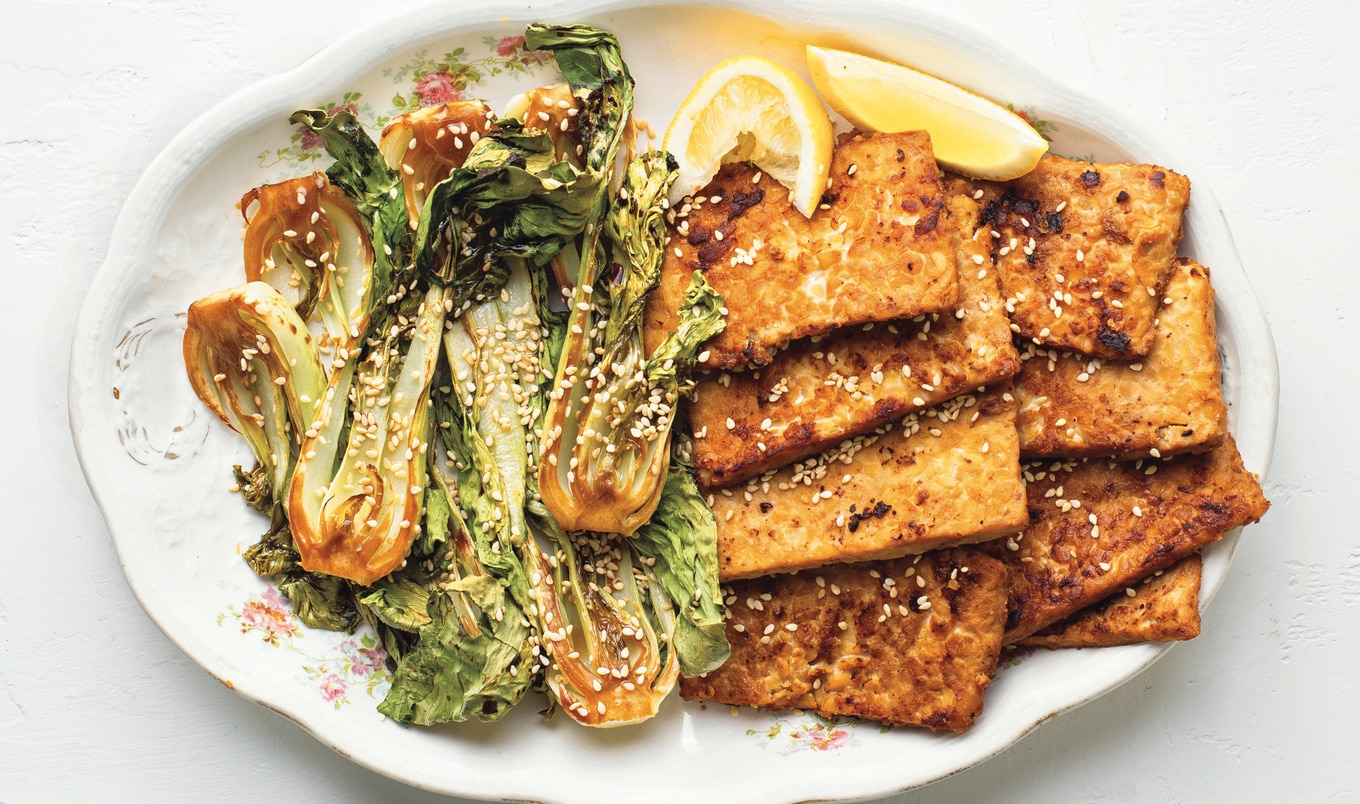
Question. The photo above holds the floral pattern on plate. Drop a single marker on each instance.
(812, 733)
(422, 81)
(448, 77)
(359, 662)
(1045, 128)
(305, 145)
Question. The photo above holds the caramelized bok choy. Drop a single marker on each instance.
(425, 146)
(305, 238)
(612, 408)
(252, 361)
(511, 199)
(600, 632)
(420, 262)
(355, 502)
(605, 628)
(374, 189)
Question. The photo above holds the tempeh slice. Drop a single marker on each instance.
(1097, 526)
(877, 250)
(825, 389)
(946, 476)
(1084, 250)
(1163, 607)
(1169, 402)
(912, 641)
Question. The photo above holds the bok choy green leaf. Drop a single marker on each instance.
(679, 543)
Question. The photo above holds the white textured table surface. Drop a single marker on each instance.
(95, 704)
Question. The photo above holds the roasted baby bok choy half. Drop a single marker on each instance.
(253, 363)
(607, 433)
(612, 408)
(477, 655)
(425, 146)
(355, 501)
(600, 630)
(251, 359)
(305, 238)
(356, 496)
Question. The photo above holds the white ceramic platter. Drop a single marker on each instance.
(160, 468)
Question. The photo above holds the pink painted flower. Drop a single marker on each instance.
(437, 88)
(508, 45)
(332, 687)
(310, 139)
(270, 614)
(820, 738)
(373, 660)
(272, 597)
(363, 661)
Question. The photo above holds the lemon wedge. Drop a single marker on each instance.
(749, 108)
(970, 134)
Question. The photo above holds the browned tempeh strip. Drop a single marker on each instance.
(879, 251)
(825, 389)
(1147, 515)
(1084, 250)
(949, 475)
(1169, 402)
(912, 641)
(1163, 607)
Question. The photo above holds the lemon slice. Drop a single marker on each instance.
(970, 134)
(750, 109)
